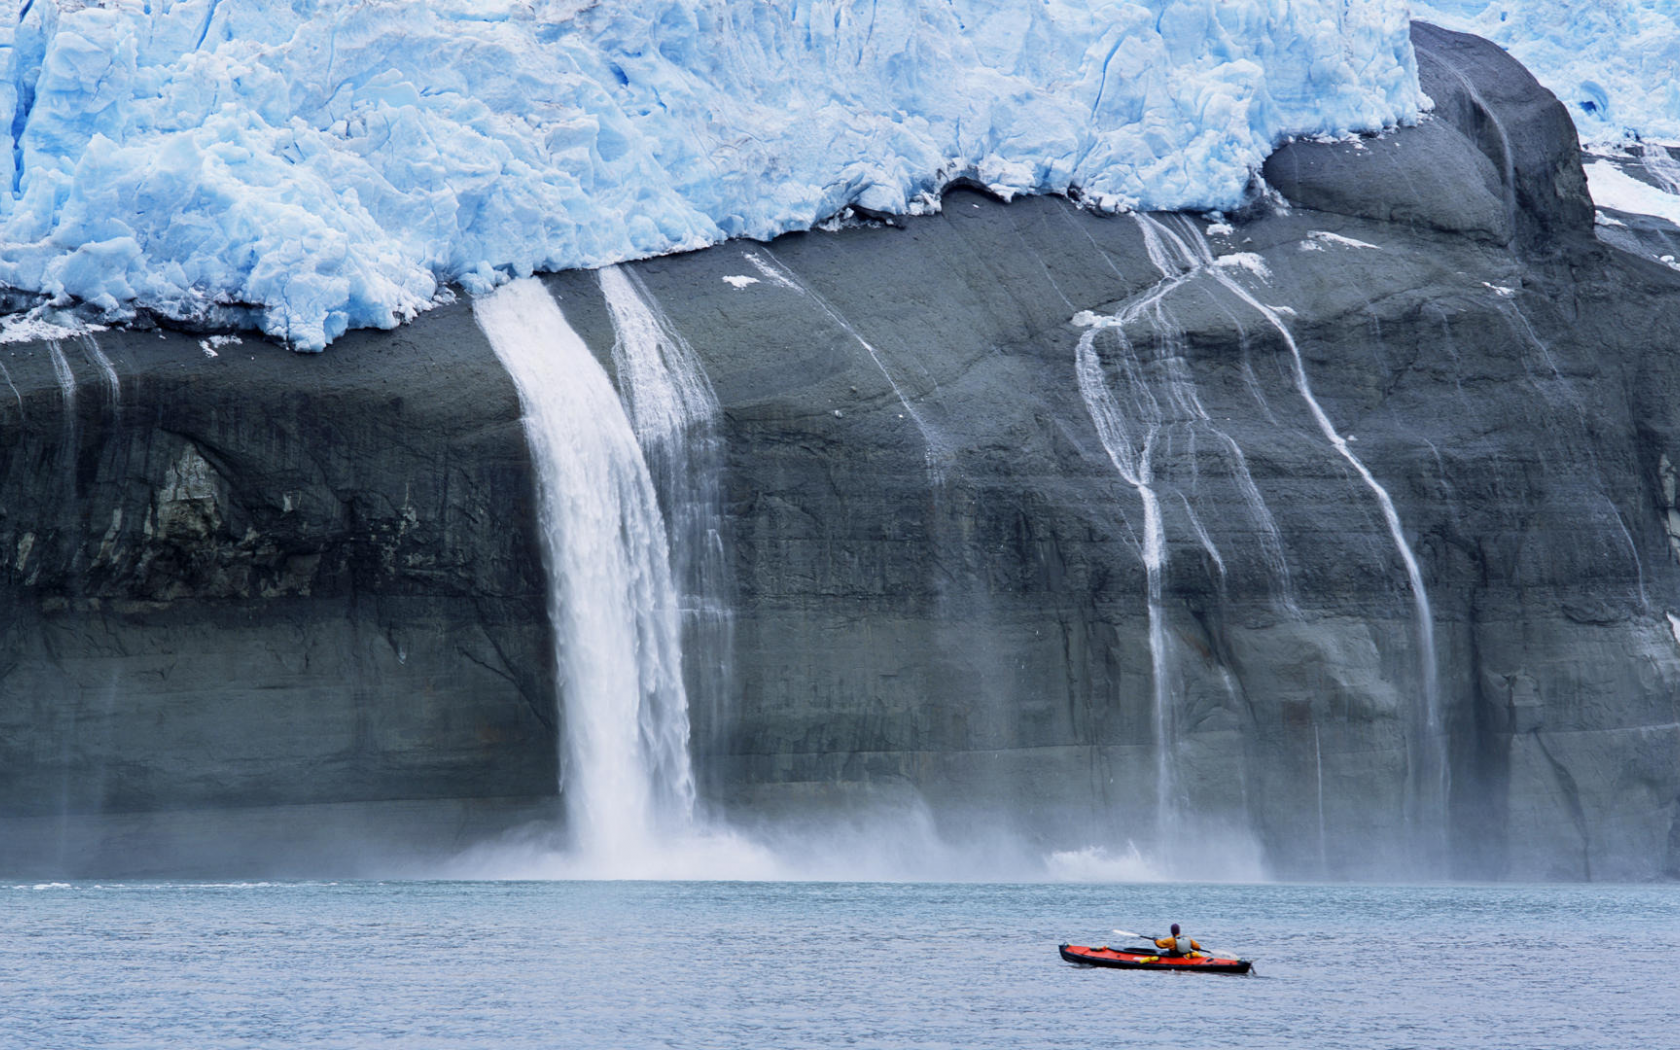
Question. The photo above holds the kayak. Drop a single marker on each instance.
(1140, 959)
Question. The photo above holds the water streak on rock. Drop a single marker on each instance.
(778, 273)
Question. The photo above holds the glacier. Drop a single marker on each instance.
(1612, 62)
(309, 167)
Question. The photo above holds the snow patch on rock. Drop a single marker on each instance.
(1249, 261)
(1339, 241)
(213, 345)
(1616, 189)
(36, 326)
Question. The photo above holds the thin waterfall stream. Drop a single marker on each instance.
(1131, 434)
(674, 413)
(1131, 438)
(1430, 784)
(1132, 455)
(778, 273)
(1318, 784)
(113, 386)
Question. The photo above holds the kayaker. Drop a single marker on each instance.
(1177, 944)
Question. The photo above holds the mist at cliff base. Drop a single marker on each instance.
(893, 839)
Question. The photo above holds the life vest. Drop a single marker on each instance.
(1182, 945)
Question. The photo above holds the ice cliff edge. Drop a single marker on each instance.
(308, 168)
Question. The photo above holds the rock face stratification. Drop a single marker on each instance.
(1350, 521)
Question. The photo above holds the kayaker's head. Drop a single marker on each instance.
(1175, 929)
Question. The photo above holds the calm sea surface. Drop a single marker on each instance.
(200, 966)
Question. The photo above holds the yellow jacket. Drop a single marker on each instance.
(1168, 944)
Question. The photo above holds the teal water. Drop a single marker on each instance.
(200, 966)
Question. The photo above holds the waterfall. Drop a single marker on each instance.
(1130, 438)
(1430, 781)
(7, 376)
(664, 387)
(674, 413)
(1633, 550)
(1132, 456)
(1430, 776)
(1318, 777)
(778, 273)
(625, 769)
(113, 387)
(61, 371)
(1203, 538)
(1489, 117)
(1174, 273)
(67, 391)
(1660, 165)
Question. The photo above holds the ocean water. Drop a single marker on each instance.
(199, 966)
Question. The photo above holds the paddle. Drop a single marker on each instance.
(1205, 950)
(1147, 940)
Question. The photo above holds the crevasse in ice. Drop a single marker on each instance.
(311, 166)
(1614, 63)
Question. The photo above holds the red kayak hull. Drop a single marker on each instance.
(1126, 960)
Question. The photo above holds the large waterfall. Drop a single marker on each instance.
(625, 766)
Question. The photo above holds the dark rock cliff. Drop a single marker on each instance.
(264, 595)
(262, 580)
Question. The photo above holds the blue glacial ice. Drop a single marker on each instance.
(1615, 63)
(309, 166)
